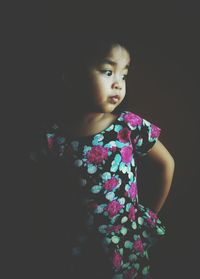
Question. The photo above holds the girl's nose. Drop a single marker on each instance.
(116, 85)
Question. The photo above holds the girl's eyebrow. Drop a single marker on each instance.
(112, 63)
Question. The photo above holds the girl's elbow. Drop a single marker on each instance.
(167, 159)
(169, 163)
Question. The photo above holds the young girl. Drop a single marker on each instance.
(110, 230)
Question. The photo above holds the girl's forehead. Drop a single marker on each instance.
(117, 55)
(118, 49)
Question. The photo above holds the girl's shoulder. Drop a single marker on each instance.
(132, 119)
(48, 141)
(143, 133)
(135, 120)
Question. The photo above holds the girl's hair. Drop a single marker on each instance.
(86, 50)
(77, 54)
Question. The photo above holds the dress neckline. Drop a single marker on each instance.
(99, 133)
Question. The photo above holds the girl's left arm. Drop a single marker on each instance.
(166, 164)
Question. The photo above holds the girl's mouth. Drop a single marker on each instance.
(114, 99)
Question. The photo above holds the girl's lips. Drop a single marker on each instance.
(114, 99)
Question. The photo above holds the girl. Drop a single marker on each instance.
(110, 230)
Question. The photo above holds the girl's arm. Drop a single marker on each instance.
(166, 164)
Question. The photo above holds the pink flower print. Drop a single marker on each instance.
(92, 205)
(113, 208)
(155, 131)
(152, 219)
(153, 215)
(110, 184)
(132, 192)
(117, 260)
(126, 153)
(113, 148)
(69, 150)
(133, 119)
(129, 273)
(138, 246)
(124, 135)
(50, 142)
(115, 228)
(131, 214)
(97, 154)
(134, 141)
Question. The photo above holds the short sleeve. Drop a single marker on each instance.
(40, 150)
(144, 134)
(47, 145)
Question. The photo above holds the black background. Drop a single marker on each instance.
(166, 89)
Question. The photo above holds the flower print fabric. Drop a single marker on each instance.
(114, 224)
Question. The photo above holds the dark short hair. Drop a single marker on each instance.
(79, 51)
(86, 49)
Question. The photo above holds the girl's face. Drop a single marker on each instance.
(108, 79)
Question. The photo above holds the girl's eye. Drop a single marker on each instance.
(107, 72)
(125, 77)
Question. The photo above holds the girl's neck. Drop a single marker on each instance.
(89, 123)
(87, 118)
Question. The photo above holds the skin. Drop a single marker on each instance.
(107, 80)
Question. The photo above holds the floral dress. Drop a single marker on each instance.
(115, 231)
